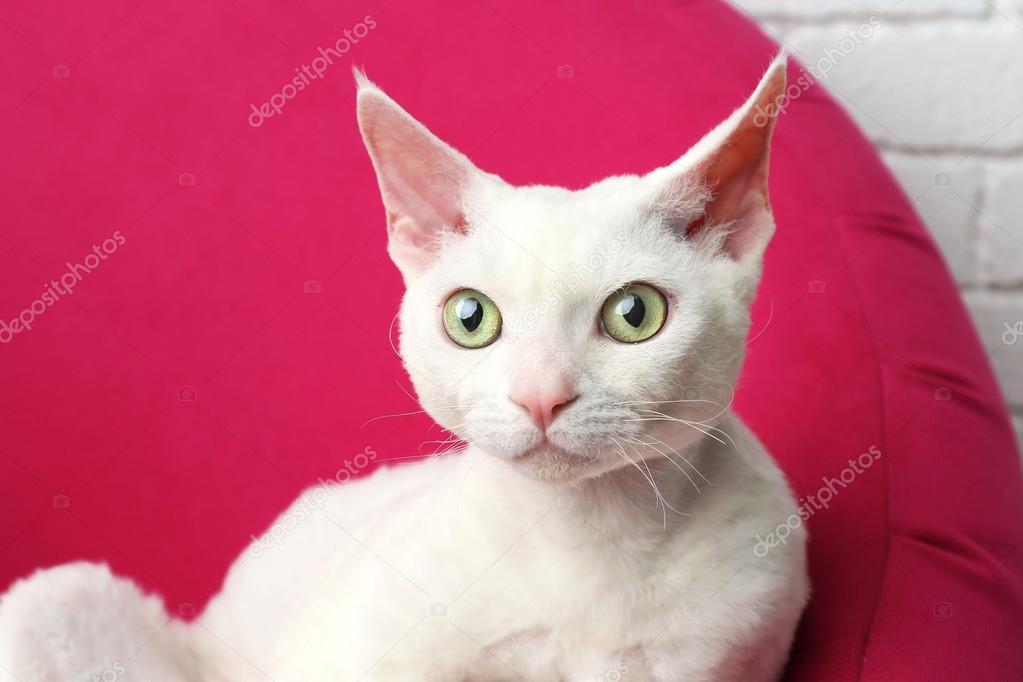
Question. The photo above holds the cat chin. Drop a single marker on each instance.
(551, 464)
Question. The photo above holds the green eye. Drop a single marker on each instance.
(471, 319)
(634, 313)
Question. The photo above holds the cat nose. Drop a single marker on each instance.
(543, 407)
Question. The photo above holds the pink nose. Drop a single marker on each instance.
(543, 407)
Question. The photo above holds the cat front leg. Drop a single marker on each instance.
(724, 649)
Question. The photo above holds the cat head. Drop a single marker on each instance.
(570, 333)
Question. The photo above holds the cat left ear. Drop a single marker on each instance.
(423, 181)
(730, 164)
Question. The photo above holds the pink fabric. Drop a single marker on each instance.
(232, 349)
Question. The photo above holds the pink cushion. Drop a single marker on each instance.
(231, 351)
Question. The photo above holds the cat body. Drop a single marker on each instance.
(602, 522)
(546, 585)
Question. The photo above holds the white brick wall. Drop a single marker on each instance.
(803, 10)
(1001, 223)
(938, 86)
(990, 311)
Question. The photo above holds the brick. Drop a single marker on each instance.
(999, 320)
(1001, 227)
(951, 86)
(945, 197)
(818, 9)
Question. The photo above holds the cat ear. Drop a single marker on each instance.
(423, 181)
(727, 173)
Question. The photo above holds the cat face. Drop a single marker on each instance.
(571, 333)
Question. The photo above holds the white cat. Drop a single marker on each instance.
(601, 525)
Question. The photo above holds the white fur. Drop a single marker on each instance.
(617, 545)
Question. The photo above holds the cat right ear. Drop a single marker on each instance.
(423, 181)
(730, 166)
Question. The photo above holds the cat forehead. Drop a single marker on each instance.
(540, 202)
(554, 223)
(529, 240)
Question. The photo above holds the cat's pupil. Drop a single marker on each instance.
(470, 312)
(632, 309)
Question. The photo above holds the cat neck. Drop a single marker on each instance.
(655, 496)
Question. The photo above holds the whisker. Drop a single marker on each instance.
(441, 451)
(770, 317)
(666, 418)
(682, 457)
(706, 433)
(676, 420)
(725, 434)
(673, 462)
(389, 416)
(648, 475)
(670, 416)
(405, 391)
(715, 417)
(667, 402)
(395, 459)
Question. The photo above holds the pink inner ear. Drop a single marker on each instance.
(735, 173)
(418, 180)
(738, 178)
(739, 201)
(422, 180)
